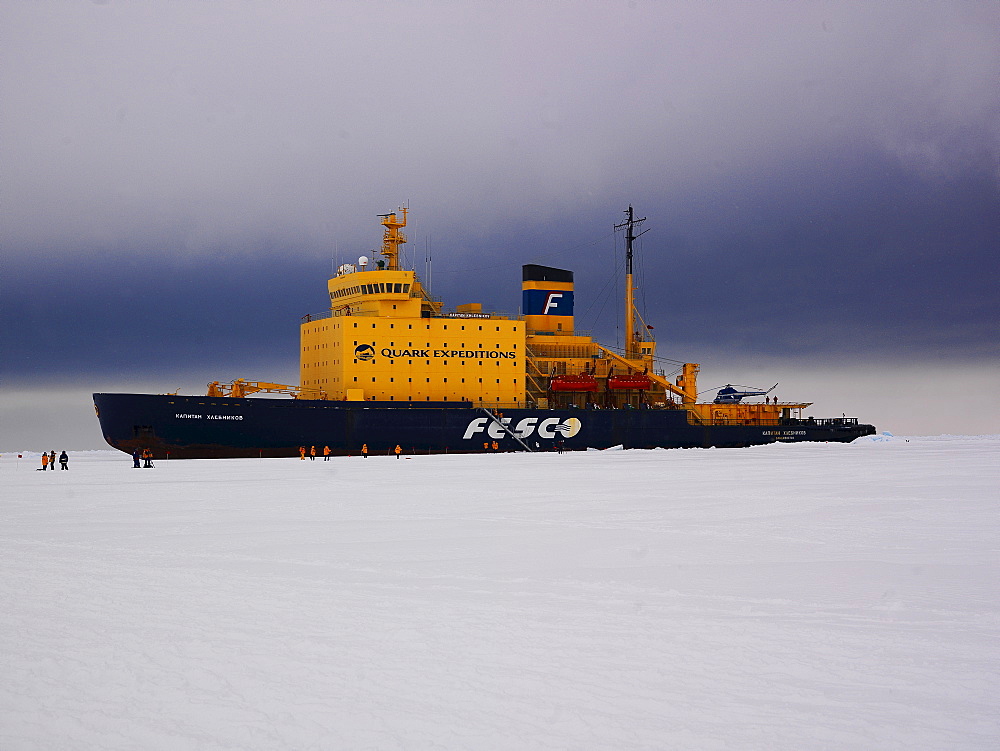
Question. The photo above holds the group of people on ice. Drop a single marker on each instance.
(312, 453)
(147, 458)
(49, 460)
(326, 452)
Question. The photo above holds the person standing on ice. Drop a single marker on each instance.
(135, 458)
(52, 460)
(364, 451)
(312, 453)
(45, 461)
(147, 459)
(63, 460)
(302, 453)
(326, 453)
(398, 450)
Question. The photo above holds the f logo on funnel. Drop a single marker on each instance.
(551, 301)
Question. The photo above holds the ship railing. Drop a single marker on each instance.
(832, 422)
(541, 332)
(825, 422)
(309, 317)
(591, 406)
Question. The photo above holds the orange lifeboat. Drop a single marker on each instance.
(582, 382)
(630, 381)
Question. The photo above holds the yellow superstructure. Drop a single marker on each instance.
(386, 339)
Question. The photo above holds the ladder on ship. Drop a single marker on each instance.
(497, 421)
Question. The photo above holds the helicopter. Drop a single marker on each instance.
(729, 395)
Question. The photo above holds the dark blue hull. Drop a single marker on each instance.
(199, 427)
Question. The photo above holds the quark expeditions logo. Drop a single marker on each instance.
(364, 352)
(550, 427)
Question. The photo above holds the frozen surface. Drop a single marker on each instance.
(811, 596)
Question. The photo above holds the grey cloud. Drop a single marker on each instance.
(220, 123)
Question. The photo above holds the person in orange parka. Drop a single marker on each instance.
(302, 453)
(45, 461)
(326, 453)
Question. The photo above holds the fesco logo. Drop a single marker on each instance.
(550, 427)
(364, 352)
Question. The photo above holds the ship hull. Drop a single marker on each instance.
(198, 427)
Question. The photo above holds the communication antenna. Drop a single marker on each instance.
(631, 340)
(427, 263)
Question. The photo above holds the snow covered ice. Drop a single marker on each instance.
(807, 596)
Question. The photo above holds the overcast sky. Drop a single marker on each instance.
(821, 180)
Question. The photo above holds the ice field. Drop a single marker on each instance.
(808, 596)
